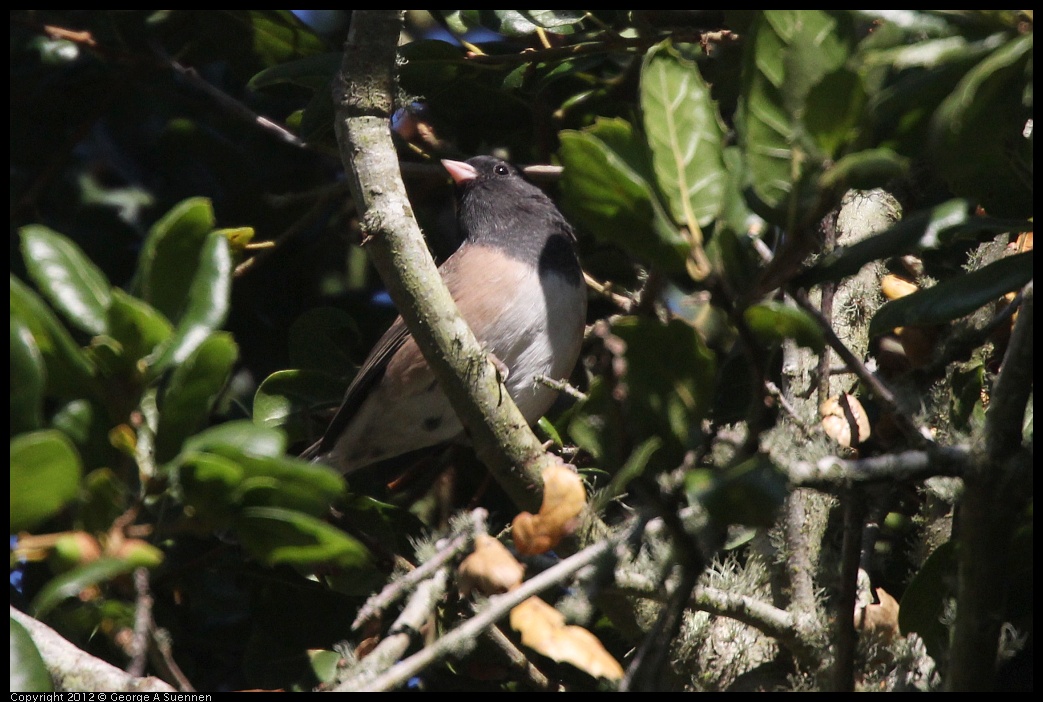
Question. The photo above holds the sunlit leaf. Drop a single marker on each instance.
(192, 390)
(685, 135)
(28, 672)
(206, 305)
(955, 297)
(69, 370)
(171, 255)
(28, 379)
(45, 476)
(775, 321)
(70, 281)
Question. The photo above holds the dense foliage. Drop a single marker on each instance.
(754, 194)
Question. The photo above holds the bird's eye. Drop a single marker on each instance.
(501, 169)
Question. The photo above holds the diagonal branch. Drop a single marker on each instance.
(364, 99)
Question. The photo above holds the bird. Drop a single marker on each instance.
(517, 281)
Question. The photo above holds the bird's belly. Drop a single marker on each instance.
(547, 332)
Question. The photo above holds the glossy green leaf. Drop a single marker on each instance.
(287, 399)
(71, 282)
(136, 325)
(28, 379)
(206, 305)
(314, 72)
(787, 54)
(955, 297)
(69, 370)
(864, 170)
(749, 493)
(835, 107)
(192, 391)
(634, 467)
(774, 321)
(75, 581)
(685, 135)
(977, 138)
(606, 193)
(45, 476)
(209, 483)
(513, 22)
(278, 35)
(924, 601)
(932, 228)
(171, 256)
(241, 436)
(669, 378)
(276, 536)
(289, 483)
(28, 672)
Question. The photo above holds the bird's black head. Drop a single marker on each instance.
(497, 206)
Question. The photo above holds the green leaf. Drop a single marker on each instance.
(137, 326)
(774, 321)
(512, 23)
(977, 138)
(171, 255)
(956, 297)
(206, 305)
(45, 475)
(669, 378)
(70, 281)
(924, 601)
(28, 379)
(937, 227)
(275, 536)
(286, 400)
(28, 672)
(289, 483)
(69, 371)
(241, 436)
(634, 467)
(749, 493)
(75, 581)
(864, 170)
(278, 35)
(209, 483)
(192, 391)
(606, 193)
(685, 135)
(787, 54)
(834, 108)
(312, 72)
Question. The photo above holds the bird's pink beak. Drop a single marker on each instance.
(459, 170)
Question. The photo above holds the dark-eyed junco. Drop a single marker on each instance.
(518, 284)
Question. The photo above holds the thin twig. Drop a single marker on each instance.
(142, 624)
(497, 608)
(832, 473)
(448, 549)
(560, 386)
(302, 223)
(914, 434)
(420, 608)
